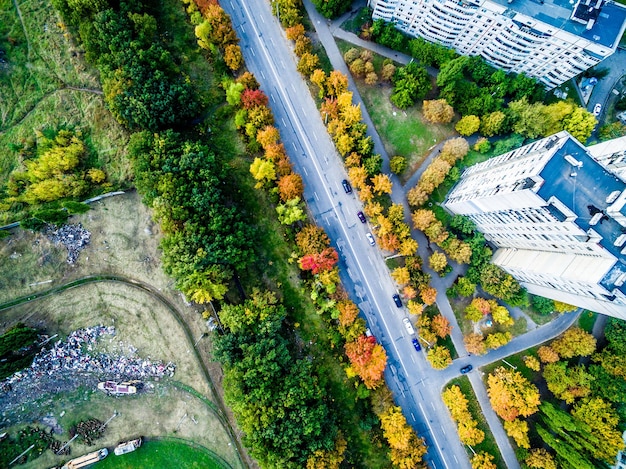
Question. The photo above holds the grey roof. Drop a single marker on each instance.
(585, 194)
(606, 31)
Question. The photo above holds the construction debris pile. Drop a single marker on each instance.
(77, 354)
(74, 237)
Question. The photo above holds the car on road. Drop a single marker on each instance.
(397, 300)
(408, 326)
(346, 186)
(370, 238)
(466, 369)
(361, 217)
(597, 109)
(416, 344)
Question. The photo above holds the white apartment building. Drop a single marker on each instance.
(550, 40)
(556, 213)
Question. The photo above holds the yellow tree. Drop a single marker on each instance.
(422, 219)
(337, 83)
(307, 63)
(263, 171)
(468, 125)
(382, 184)
(438, 261)
(358, 177)
(268, 136)
(603, 421)
(532, 362)
(469, 433)
(318, 78)
(439, 357)
(518, 430)
(233, 57)
(574, 342)
(497, 339)
(408, 247)
(540, 458)
(483, 460)
(501, 315)
(415, 307)
(456, 402)
(407, 450)
(401, 275)
(511, 394)
(295, 32)
(348, 312)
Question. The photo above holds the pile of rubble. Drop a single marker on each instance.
(74, 237)
(77, 354)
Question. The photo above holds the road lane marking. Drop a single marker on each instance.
(317, 197)
(455, 459)
(414, 419)
(305, 171)
(412, 358)
(273, 99)
(294, 146)
(252, 50)
(432, 405)
(284, 123)
(315, 136)
(283, 64)
(263, 74)
(442, 430)
(262, 20)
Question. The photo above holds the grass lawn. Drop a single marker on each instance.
(404, 133)
(489, 443)
(164, 454)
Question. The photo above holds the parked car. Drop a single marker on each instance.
(397, 300)
(416, 344)
(466, 369)
(370, 238)
(408, 326)
(346, 186)
(361, 217)
(597, 109)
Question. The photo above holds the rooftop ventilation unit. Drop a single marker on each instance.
(612, 197)
(620, 240)
(573, 161)
(596, 218)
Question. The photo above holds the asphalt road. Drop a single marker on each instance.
(363, 271)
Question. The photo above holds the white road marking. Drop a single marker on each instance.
(413, 416)
(263, 75)
(305, 171)
(252, 50)
(455, 459)
(412, 358)
(262, 20)
(273, 99)
(294, 146)
(315, 136)
(432, 405)
(284, 123)
(283, 64)
(317, 197)
(232, 6)
(442, 430)
(294, 90)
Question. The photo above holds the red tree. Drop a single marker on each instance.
(253, 98)
(316, 263)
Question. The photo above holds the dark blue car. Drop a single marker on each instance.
(416, 344)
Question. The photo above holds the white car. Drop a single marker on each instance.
(370, 238)
(597, 109)
(408, 326)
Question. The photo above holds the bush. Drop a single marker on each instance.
(76, 207)
(543, 306)
(54, 217)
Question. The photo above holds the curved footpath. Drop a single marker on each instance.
(220, 412)
(326, 31)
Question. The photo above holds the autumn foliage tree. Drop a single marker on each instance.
(318, 262)
(438, 111)
(475, 343)
(407, 449)
(574, 342)
(511, 394)
(457, 403)
(368, 360)
(482, 460)
(439, 357)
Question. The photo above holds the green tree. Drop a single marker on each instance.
(292, 211)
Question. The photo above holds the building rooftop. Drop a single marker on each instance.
(588, 190)
(606, 24)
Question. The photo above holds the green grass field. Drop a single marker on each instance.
(163, 454)
(404, 133)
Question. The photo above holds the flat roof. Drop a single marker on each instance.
(606, 31)
(584, 191)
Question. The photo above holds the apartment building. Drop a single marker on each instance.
(556, 213)
(550, 40)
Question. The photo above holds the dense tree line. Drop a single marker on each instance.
(274, 393)
(143, 85)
